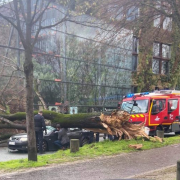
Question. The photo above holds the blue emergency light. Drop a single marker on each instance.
(144, 93)
(134, 94)
(129, 95)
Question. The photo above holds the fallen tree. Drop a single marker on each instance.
(86, 120)
(115, 123)
(10, 125)
(118, 124)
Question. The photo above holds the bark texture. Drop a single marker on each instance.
(89, 120)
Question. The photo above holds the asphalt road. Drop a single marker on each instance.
(6, 154)
(115, 167)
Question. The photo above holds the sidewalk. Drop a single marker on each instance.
(168, 173)
(136, 165)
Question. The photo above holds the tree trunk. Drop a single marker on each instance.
(10, 125)
(117, 123)
(38, 94)
(28, 71)
(86, 120)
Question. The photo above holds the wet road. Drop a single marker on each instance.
(6, 154)
(115, 167)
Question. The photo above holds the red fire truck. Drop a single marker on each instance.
(159, 110)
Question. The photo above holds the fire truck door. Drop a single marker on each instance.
(173, 113)
(158, 113)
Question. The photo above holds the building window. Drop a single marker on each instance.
(134, 62)
(160, 66)
(164, 68)
(167, 23)
(157, 21)
(161, 57)
(135, 45)
(166, 51)
(135, 51)
(120, 14)
(156, 47)
(155, 66)
(160, 21)
(132, 13)
(115, 12)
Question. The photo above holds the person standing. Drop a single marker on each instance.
(39, 128)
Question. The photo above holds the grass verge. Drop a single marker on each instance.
(105, 148)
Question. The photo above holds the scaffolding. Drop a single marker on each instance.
(83, 71)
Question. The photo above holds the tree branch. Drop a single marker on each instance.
(22, 9)
(161, 11)
(11, 125)
(8, 20)
(41, 14)
(35, 10)
(19, 24)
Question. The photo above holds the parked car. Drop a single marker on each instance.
(19, 141)
(84, 136)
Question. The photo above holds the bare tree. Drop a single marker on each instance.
(24, 16)
(11, 86)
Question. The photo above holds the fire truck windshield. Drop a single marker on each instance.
(137, 106)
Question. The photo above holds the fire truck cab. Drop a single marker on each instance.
(159, 110)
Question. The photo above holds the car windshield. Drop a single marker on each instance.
(50, 129)
(136, 106)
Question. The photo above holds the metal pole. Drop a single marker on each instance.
(64, 62)
(18, 51)
(99, 77)
(178, 170)
(9, 41)
(64, 69)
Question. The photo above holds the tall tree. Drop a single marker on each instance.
(25, 16)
